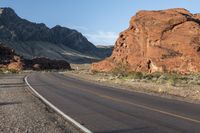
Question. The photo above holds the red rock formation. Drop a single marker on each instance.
(164, 41)
(9, 59)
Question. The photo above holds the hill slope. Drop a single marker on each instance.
(32, 39)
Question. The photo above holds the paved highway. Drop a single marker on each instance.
(109, 110)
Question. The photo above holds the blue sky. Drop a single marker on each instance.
(99, 20)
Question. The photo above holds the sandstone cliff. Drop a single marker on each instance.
(164, 41)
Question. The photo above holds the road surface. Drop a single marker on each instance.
(109, 110)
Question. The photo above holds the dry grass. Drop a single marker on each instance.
(5, 70)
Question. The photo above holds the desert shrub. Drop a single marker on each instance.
(152, 76)
(1, 71)
(157, 74)
(13, 71)
(120, 70)
(5, 70)
(135, 75)
(94, 72)
(172, 78)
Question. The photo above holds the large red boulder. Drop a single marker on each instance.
(164, 41)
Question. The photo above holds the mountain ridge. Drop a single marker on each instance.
(20, 33)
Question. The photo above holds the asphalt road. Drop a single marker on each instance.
(109, 110)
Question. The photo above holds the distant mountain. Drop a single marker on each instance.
(106, 50)
(31, 39)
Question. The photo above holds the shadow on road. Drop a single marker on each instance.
(9, 103)
(126, 130)
(11, 85)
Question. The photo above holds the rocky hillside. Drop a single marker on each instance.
(9, 60)
(31, 39)
(164, 41)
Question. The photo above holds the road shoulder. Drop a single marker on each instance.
(21, 111)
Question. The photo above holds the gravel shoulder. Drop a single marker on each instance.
(22, 112)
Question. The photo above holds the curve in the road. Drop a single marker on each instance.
(109, 110)
(84, 129)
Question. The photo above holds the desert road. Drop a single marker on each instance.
(103, 109)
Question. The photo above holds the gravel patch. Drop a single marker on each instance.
(22, 112)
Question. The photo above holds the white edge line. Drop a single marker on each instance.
(57, 110)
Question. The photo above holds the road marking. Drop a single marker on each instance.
(152, 109)
(57, 110)
(140, 106)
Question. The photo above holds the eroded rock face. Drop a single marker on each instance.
(9, 59)
(164, 41)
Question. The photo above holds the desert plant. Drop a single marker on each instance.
(94, 72)
(172, 78)
(13, 71)
(1, 71)
(135, 75)
(120, 70)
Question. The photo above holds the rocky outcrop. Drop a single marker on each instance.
(164, 41)
(42, 63)
(31, 39)
(9, 59)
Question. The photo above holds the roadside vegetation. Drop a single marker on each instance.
(5, 70)
(172, 78)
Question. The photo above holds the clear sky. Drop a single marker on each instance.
(99, 20)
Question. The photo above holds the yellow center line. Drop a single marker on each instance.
(152, 109)
(138, 105)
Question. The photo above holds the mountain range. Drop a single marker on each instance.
(37, 40)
